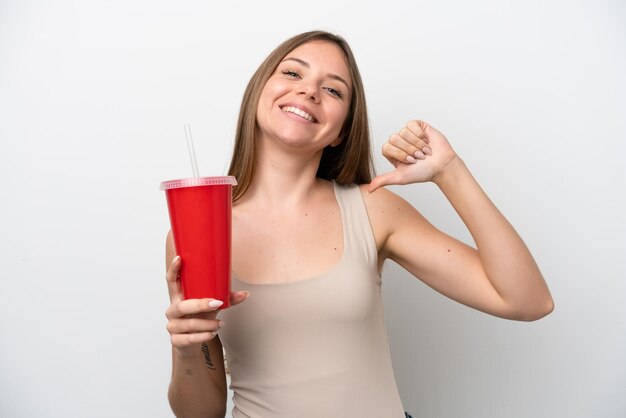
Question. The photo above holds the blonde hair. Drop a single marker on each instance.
(347, 163)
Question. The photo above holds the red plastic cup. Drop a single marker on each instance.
(200, 212)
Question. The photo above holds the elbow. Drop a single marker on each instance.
(538, 311)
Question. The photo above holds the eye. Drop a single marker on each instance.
(291, 73)
(334, 92)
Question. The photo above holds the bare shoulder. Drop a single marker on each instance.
(381, 198)
(387, 212)
(386, 205)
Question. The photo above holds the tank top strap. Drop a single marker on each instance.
(358, 234)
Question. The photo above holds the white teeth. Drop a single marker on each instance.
(298, 112)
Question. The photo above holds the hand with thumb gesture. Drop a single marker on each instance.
(418, 152)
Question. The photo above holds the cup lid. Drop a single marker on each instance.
(198, 181)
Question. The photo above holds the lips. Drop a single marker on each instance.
(298, 111)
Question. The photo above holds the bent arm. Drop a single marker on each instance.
(198, 385)
(505, 259)
(499, 276)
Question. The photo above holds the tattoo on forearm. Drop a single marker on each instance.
(207, 356)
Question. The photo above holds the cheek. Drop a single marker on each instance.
(270, 93)
(265, 94)
(342, 115)
(265, 100)
(273, 88)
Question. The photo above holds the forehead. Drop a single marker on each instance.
(325, 55)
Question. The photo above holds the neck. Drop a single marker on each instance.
(283, 178)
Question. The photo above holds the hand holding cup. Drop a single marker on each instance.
(192, 322)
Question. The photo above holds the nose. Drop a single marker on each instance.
(310, 91)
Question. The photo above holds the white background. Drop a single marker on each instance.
(93, 98)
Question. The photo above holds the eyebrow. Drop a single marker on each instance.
(306, 64)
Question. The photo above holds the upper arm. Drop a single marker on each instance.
(444, 263)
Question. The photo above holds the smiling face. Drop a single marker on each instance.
(306, 100)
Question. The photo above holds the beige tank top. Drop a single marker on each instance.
(316, 347)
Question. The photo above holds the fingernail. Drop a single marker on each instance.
(221, 324)
(427, 151)
(175, 259)
(215, 303)
(214, 333)
(419, 155)
(410, 159)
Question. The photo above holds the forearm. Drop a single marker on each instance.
(198, 386)
(506, 260)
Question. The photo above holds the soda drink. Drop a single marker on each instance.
(200, 211)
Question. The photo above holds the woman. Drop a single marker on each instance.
(311, 232)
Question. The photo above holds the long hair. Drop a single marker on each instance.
(347, 163)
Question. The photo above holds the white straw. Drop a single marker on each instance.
(192, 151)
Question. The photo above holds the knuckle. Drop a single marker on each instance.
(173, 327)
(175, 311)
(400, 156)
(393, 140)
(414, 126)
(411, 149)
(193, 338)
(192, 325)
(176, 340)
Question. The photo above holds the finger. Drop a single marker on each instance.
(419, 128)
(185, 340)
(385, 179)
(395, 155)
(238, 297)
(410, 143)
(404, 141)
(193, 325)
(415, 144)
(424, 131)
(192, 307)
(173, 284)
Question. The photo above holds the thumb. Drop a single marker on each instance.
(384, 179)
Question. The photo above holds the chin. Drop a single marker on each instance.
(297, 143)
